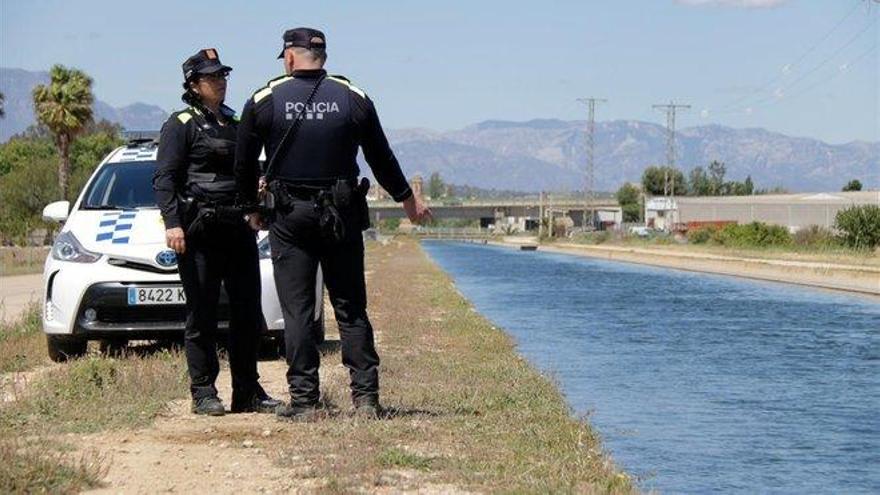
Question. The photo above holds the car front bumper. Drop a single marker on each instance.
(70, 289)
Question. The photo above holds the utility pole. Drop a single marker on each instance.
(540, 216)
(669, 187)
(589, 186)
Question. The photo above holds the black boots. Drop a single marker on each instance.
(259, 402)
(367, 407)
(293, 412)
(210, 406)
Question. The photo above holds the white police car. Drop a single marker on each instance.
(110, 276)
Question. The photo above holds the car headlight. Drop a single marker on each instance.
(67, 248)
(264, 248)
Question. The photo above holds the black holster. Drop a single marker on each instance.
(331, 222)
(203, 216)
(351, 199)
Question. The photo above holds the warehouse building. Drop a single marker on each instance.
(794, 211)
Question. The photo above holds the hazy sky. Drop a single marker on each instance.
(802, 67)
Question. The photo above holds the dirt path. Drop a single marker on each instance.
(237, 453)
(185, 453)
(16, 293)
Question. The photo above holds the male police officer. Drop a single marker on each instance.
(311, 125)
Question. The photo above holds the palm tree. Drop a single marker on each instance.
(64, 106)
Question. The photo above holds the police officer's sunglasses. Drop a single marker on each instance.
(217, 76)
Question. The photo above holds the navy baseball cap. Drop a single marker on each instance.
(203, 62)
(303, 37)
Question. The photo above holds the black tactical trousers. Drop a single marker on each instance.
(224, 253)
(297, 249)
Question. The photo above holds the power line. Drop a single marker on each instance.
(840, 71)
(818, 66)
(797, 61)
(589, 186)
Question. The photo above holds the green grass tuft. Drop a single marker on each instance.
(37, 469)
(394, 457)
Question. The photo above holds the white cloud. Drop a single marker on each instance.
(744, 4)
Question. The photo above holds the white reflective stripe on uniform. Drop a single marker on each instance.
(184, 117)
(349, 86)
(259, 95)
(278, 81)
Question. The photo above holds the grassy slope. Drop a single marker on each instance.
(465, 409)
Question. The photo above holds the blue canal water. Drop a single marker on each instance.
(697, 383)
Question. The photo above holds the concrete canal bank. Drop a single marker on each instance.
(861, 279)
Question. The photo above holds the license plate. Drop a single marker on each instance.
(155, 295)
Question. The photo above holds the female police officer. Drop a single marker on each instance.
(195, 191)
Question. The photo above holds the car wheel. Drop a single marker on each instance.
(113, 347)
(63, 347)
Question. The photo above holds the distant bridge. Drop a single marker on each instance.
(495, 209)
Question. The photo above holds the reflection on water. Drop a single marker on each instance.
(696, 382)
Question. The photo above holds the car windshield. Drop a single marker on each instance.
(121, 186)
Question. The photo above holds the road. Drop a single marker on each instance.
(16, 293)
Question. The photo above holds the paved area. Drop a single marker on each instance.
(17, 292)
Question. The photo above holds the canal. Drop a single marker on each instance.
(697, 383)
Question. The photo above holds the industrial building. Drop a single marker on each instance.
(794, 211)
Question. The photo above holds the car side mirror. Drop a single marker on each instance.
(57, 211)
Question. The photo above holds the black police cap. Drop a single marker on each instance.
(303, 37)
(203, 62)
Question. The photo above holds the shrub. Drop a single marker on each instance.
(755, 234)
(701, 235)
(859, 226)
(815, 236)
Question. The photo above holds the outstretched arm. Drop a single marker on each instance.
(382, 161)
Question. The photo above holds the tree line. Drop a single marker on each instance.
(54, 158)
(709, 181)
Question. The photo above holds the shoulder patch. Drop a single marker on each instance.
(345, 82)
(267, 89)
(184, 117)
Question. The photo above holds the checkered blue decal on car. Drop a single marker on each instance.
(115, 227)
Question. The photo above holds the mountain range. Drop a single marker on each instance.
(18, 84)
(552, 155)
(549, 154)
